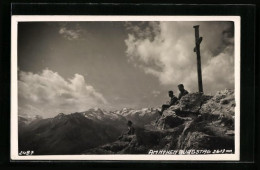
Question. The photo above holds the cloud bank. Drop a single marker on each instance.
(165, 50)
(48, 94)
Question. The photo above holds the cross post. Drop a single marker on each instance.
(198, 40)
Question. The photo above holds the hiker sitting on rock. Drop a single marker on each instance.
(131, 130)
(183, 92)
(173, 100)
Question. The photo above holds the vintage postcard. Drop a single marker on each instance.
(125, 88)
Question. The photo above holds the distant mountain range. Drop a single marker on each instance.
(76, 132)
(196, 122)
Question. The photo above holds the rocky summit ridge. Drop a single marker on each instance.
(198, 122)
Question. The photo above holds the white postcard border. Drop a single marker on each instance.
(41, 18)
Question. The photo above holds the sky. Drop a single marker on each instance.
(74, 66)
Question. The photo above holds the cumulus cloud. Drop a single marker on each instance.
(71, 32)
(48, 94)
(165, 50)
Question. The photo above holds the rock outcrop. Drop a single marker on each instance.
(197, 122)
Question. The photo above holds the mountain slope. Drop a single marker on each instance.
(67, 134)
(76, 132)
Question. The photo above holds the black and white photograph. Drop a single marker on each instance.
(125, 88)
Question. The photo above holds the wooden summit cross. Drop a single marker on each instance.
(198, 40)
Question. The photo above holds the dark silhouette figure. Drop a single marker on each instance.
(173, 100)
(183, 92)
(131, 129)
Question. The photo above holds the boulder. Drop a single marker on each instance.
(192, 102)
(148, 137)
(222, 104)
(169, 121)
